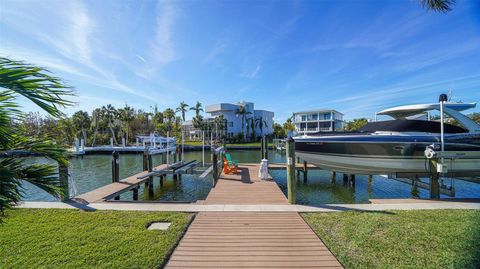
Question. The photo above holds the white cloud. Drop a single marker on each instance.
(252, 73)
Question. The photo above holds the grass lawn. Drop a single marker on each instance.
(401, 239)
(55, 238)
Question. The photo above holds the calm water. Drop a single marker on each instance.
(94, 171)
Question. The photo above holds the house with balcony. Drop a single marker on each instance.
(318, 120)
(234, 120)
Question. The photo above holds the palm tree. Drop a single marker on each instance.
(48, 93)
(96, 119)
(243, 112)
(169, 116)
(81, 121)
(126, 116)
(182, 108)
(197, 108)
(109, 114)
(438, 5)
(260, 122)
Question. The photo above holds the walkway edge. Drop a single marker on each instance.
(134, 206)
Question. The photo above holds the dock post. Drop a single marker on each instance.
(63, 177)
(145, 160)
(352, 180)
(150, 179)
(291, 177)
(115, 169)
(265, 143)
(215, 167)
(305, 171)
(334, 177)
(345, 179)
(135, 193)
(434, 185)
(262, 148)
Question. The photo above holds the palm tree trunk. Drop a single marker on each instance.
(84, 132)
(95, 135)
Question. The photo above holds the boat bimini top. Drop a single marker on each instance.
(452, 109)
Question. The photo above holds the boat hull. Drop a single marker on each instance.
(384, 155)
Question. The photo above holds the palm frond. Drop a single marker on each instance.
(438, 5)
(35, 84)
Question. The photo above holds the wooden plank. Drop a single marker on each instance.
(251, 240)
(111, 190)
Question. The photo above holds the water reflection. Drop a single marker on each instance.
(94, 171)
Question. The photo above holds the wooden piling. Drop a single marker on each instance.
(334, 177)
(305, 171)
(135, 193)
(262, 148)
(434, 184)
(265, 144)
(115, 169)
(352, 180)
(63, 177)
(150, 179)
(215, 167)
(291, 177)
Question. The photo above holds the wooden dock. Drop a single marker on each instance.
(114, 189)
(250, 239)
(245, 187)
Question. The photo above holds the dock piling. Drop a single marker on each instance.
(63, 176)
(434, 184)
(305, 171)
(291, 177)
(150, 179)
(115, 169)
(334, 177)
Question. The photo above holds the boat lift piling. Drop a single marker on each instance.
(291, 177)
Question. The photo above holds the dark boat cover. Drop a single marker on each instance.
(411, 126)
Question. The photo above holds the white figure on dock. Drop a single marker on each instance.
(263, 170)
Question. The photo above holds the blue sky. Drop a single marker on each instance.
(354, 56)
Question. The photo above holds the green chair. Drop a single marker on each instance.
(230, 161)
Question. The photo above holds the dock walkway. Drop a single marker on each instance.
(250, 239)
(114, 189)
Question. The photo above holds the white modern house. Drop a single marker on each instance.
(234, 120)
(318, 120)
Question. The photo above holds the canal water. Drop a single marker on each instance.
(94, 171)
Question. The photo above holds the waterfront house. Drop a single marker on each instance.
(234, 120)
(318, 120)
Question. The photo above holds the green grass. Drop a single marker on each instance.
(401, 239)
(55, 238)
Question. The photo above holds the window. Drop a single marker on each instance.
(326, 116)
(304, 117)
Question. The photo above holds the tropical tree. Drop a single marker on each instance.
(438, 5)
(182, 108)
(95, 122)
(81, 122)
(242, 111)
(198, 122)
(220, 124)
(288, 125)
(197, 108)
(355, 124)
(260, 123)
(168, 119)
(251, 126)
(49, 93)
(126, 116)
(109, 114)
